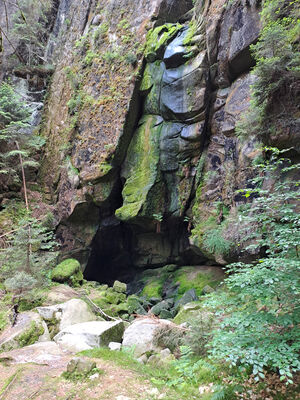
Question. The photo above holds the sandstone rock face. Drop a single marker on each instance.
(143, 160)
(89, 335)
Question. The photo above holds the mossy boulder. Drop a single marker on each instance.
(197, 277)
(28, 329)
(135, 305)
(113, 297)
(188, 312)
(120, 287)
(173, 282)
(69, 271)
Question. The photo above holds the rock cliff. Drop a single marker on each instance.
(142, 159)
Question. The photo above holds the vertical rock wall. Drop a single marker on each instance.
(143, 160)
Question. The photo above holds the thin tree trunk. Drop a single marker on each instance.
(13, 47)
(29, 247)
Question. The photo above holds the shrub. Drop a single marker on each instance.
(261, 307)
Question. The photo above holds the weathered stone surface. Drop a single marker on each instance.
(139, 335)
(177, 52)
(28, 329)
(171, 11)
(188, 312)
(114, 346)
(40, 353)
(72, 312)
(183, 92)
(240, 28)
(237, 103)
(141, 170)
(80, 366)
(61, 294)
(89, 335)
(188, 297)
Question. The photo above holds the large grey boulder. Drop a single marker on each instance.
(89, 335)
(39, 353)
(69, 313)
(140, 335)
(29, 328)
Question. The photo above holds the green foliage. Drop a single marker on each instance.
(277, 69)
(30, 255)
(14, 140)
(12, 107)
(261, 309)
(200, 333)
(215, 242)
(30, 24)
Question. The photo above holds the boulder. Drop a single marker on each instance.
(29, 328)
(135, 306)
(60, 294)
(164, 305)
(67, 271)
(39, 353)
(115, 346)
(188, 312)
(89, 335)
(189, 295)
(140, 335)
(80, 366)
(208, 289)
(63, 315)
(120, 287)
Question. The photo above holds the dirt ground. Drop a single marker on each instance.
(43, 381)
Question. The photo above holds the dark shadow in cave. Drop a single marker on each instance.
(110, 257)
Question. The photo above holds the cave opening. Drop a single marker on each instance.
(110, 257)
(122, 251)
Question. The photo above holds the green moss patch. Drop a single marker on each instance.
(31, 335)
(68, 271)
(184, 278)
(196, 278)
(158, 38)
(141, 169)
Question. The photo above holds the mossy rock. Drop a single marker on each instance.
(135, 305)
(113, 297)
(69, 271)
(31, 335)
(120, 287)
(197, 278)
(153, 289)
(157, 40)
(178, 280)
(188, 312)
(141, 172)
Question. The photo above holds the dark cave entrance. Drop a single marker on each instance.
(121, 251)
(110, 256)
